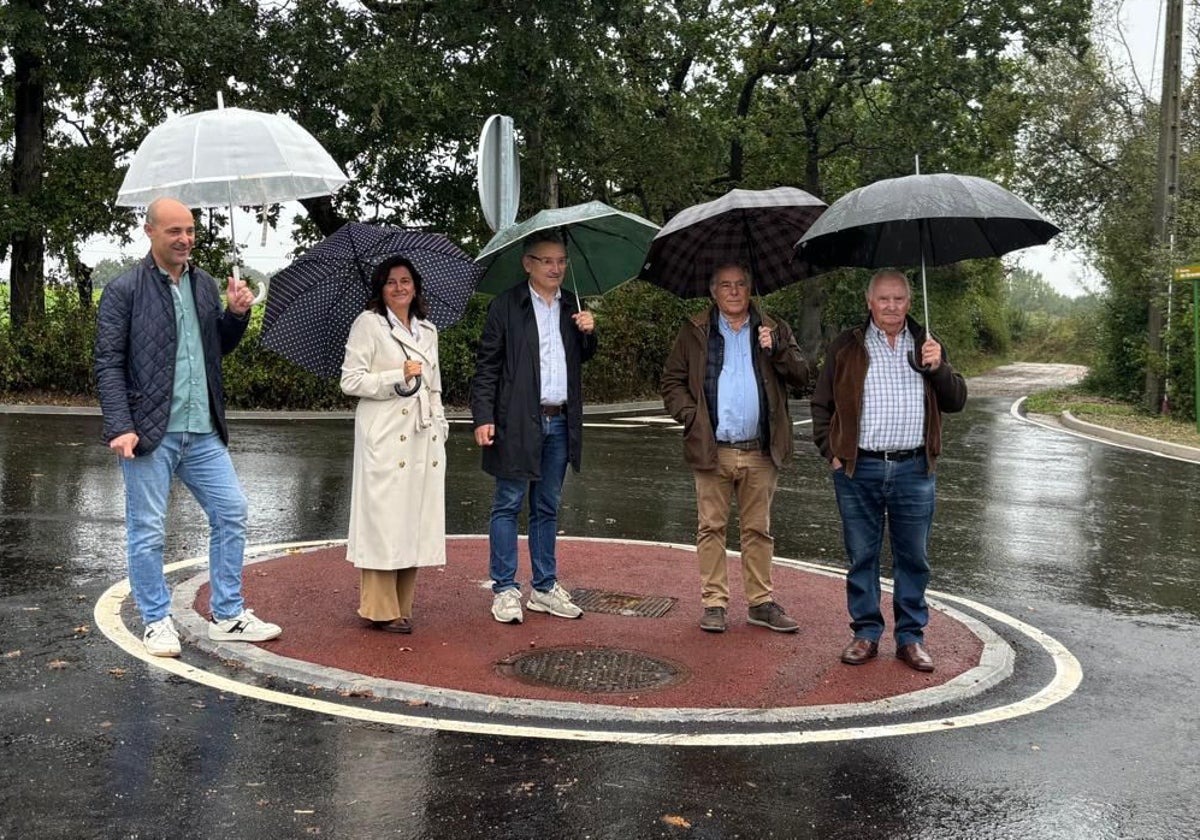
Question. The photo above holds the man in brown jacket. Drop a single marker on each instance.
(877, 420)
(726, 382)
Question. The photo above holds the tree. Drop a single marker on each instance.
(87, 79)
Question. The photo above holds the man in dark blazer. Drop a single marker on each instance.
(527, 406)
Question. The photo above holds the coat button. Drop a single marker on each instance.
(404, 411)
(435, 463)
(435, 437)
(403, 438)
(401, 465)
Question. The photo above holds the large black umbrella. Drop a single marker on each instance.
(922, 220)
(754, 228)
(313, 301)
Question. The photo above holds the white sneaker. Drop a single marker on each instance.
(161, 638)
(506, 607)
(246, 627)
(556, 602)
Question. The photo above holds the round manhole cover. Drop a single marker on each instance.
(593, 670)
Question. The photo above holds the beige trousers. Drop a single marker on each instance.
(386, 594)
(752, 478)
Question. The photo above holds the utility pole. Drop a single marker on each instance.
(1166, 187)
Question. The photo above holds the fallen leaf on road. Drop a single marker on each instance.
(12, 654)
(678, 822)
(117, 672)
(57, 664)
(82, 630)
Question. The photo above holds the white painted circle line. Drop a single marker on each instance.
(1068, 674)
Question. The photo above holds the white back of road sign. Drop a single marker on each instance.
(499, 172)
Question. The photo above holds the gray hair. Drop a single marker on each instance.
(888, 272)
(540, 237)
(712, 280)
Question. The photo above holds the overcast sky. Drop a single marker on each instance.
(1140, 21)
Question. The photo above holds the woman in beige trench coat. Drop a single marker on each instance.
(397, 496)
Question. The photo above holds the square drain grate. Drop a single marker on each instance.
(622, 603)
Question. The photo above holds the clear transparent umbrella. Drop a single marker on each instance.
(229, 157)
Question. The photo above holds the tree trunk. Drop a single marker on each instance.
(28, 243)
(323, 214)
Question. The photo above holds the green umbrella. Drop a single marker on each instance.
(605, 247)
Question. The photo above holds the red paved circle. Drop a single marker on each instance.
(457, 644)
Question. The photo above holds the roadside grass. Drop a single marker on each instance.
(1114, 414)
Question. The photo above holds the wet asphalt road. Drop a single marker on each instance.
(1096, 546)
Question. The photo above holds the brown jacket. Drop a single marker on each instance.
(682, 387)
(837, 400)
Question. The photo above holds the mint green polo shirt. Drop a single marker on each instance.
(189, 393)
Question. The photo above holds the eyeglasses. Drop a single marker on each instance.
(550, 262)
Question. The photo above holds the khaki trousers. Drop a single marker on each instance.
(752, 477)
(386, 594)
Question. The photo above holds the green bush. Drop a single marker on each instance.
(53, 354)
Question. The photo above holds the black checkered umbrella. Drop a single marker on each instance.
(313, 301)
(753, 228)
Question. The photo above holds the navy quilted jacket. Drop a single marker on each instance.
(135, 351)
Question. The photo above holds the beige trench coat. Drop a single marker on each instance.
(397, 496)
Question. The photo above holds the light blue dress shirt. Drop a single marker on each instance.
(553, 356)
(737, 388)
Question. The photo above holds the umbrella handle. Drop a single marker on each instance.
(408, 392)
(916, 365)
(261, 295)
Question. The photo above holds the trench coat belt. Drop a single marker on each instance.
(892, 454)
(553, 410)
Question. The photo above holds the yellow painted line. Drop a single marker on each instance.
(1068, 674)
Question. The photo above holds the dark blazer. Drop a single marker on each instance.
(135, 351)
(507, 387)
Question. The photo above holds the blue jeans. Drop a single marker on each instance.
(544, 496)
(203, 465)
(901, 493)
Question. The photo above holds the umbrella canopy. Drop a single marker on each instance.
(605, 247)
(922, 220)
(932, 219)
(754, 228)
(229, 156)
(315, 299)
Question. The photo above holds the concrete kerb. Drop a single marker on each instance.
(1068, 423)
(996, 664)
(455, 414)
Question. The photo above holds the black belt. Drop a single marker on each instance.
(892, 454)
(553, 410)
(744, 445)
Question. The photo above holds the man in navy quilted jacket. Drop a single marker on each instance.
(160, 336)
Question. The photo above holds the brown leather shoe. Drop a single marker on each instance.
(915, 656)
(396, 625)
(713, 620)
(859, 651)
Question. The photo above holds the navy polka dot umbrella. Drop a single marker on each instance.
(313, 301)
